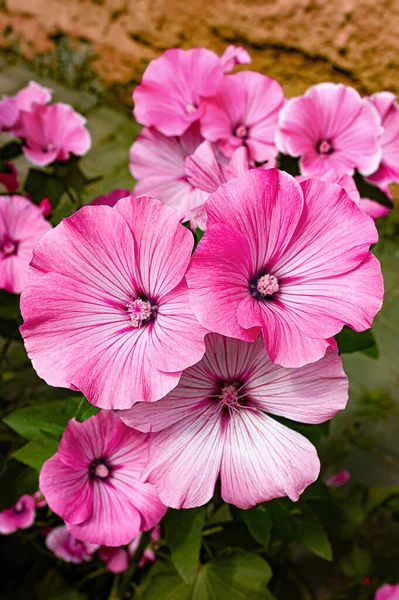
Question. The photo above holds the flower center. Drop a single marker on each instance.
(50, 147)
(324, 147)
(190, 108)
(99, 469)
(229, 394)
(9, 247)
(241, 131)
(19, 507)
(267, 285)
(141, 311)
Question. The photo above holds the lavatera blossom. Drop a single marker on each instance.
(67, 547)
(93, 482)
(107, 308)
(217, 422)
(289, 260)
(331, 127)
(20, 516)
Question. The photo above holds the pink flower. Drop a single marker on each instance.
(331, 127)
(158, 162)
(112, 198)
(107, 309)
(234, 55)
(93, 481)
(388, 169)
(387, 592)
(9, 178)
(170, 95)
(45, 207)
(21, 226)
(40, 501)
(117, 559)
(53, 133)
(244, 112)
(338, 479)
(67, 547)
(8, 113)
(372, 208)
(215, 422)
(19, 516)
(291, 260)
(26, 100)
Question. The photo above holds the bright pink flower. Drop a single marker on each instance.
(8, 113)
(331, 127)
(388, 170)
(112, 198)
(19, 516)
(67, 547)
(216, 422)
(117, 559)
(9, 178)
(387, 592)
(244, 112)
(40, 501)
(338, 479)
(291, 260)
(53, 133)
(107, 309)
(45, 207)
(32, 95)
(372, 208)
(158, 162)
(21, 226)
(93, 481)
(234, 55)
(170, 95)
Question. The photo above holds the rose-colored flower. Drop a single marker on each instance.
(388, 169)
(117, 559)
(9, 178)
(93, 481)
(8, 113)
(107, 308)
(291, 260)
(67, 547)
(170, 95)
(19, 516)
(372, 208)
(21, 226)
(52, 133)
(338, 479)
(387, 592)
(234, 55)
(244, 111)
(112, 198)
(331, 127)
(158, 163)
(216, 422)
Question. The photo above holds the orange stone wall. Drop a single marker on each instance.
(299, 42)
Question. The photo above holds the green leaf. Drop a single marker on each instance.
(36, 452)
(85, 410)
(259, 523)
(357, 563)
(16, 479)
(62, 212)
(380, 495)
(311, 533)
(11, 150)
(50, 418)
(40, 184)
(9, 305)
(10, 329)
(356, 341)
(183, 536)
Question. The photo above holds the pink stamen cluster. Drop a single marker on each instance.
(140, 312)
(267, 285)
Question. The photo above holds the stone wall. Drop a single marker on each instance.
(299, 42)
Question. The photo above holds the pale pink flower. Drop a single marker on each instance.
(388, 169)
(107, 308)
(53, 133)
(67, 547)
(20, 516)
(244, 112)
(372, 208)
(21, 226)
(216, 423)
(331, 127)
(234, 55)
(112, 198)
(291, 260)
(8, 113)
(158, 163)
(93, 481)
(387, 592)
(9, 178)
(170, 95)
(338, 479)
(26, 100)
(117, 559)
